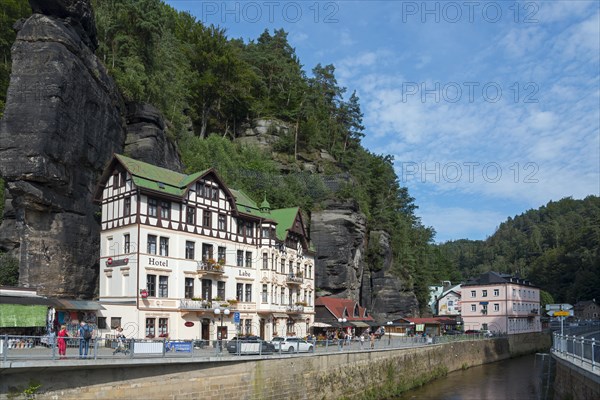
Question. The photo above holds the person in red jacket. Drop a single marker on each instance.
(62, 344)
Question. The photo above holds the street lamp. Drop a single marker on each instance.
(220, 332)
(389, 323)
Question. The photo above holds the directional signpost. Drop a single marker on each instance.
(561, 311)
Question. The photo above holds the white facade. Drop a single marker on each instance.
(171, 256)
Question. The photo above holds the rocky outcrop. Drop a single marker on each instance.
(64, 119)
(384, 294)
(147, 140)
(339, 232)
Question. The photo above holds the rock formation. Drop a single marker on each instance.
(64, 118)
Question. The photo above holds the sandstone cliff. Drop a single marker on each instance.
(64, 118)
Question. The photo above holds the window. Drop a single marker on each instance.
(165, 210)
(265, 261)
(221, 255)
(190, 215)
(240, 227)
(151, 285)
(248, 327)
(163, 286)
(151, 244)
(199, 190)
(248, 293)
(473, 307)
(206, 219)
(484, 309)
(249, 227)
(222, 222)
(102, 323)
(115, 180)
(282, 266)
(207, 191)
(472, 293)
(291, 270)
(190, 249)
(484, 293)
(248, 259)
(164, 246)
(310, 271)
(496, 292)
(450, 302)
(163, 327)
(207, 251)
(221, 290)
(115, 322)
(123, 178)
(265, 293)
(127, 206)
(496, 307)
(206, 289)
(239, 292)
(126, 243)
(240, 258)
(150, 329)
(282, 298)
(152, 207)
(215, 193)
(189, 288)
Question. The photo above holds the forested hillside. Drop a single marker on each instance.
(556, 246)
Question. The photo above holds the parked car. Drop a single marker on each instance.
(249, 345)
(453, 332)
(472, 332)
(486, 333)
(292, 344)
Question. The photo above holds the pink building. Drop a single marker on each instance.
(500, 303)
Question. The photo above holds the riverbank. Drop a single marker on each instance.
(374, 374)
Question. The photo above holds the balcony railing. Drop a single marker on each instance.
(295, 309)
(189, 304)
(207, 266)
(296, 279)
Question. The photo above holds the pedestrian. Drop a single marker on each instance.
(85, 334)
(62, 344)
(372, 340)
(362, 341)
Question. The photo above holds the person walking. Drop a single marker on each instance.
(85, 334)
(62, 344)
(362, 341)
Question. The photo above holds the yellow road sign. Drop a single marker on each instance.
(561, 313)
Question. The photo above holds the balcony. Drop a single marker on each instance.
(296, 309)
(196, 305)
(294, 279)
(210, 267)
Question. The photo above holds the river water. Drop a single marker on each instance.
(515, 379)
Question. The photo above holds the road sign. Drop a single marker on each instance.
(558, 307)
(236, 317)
(561, 313)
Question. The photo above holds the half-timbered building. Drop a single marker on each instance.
(179, 250)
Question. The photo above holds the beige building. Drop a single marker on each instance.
(186, 257)
(500, 303)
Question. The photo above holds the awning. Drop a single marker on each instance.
(85, 305)
(22, 316)
(360, 324)
(279, 315)
(321, 325)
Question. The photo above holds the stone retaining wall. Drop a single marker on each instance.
(353, 375)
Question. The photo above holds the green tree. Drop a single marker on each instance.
(9, 270)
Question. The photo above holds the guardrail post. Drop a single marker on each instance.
(593, 354)
(582, 349)
(164, 347)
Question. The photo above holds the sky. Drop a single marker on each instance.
(490, 108)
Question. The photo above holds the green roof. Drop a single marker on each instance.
(163, 180)
(158, 179)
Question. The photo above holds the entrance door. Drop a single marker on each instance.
(262, 328)
(205, 330)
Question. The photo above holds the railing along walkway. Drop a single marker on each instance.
(30, 348)
(578, 350)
